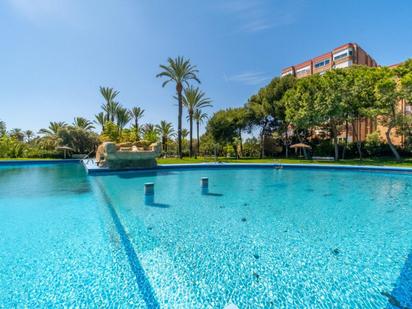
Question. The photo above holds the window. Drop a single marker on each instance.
(287, 73)
(322, 63)
(304, 70)
(343, 54)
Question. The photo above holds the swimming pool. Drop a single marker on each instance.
(261, 237)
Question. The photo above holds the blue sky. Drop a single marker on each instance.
(54, 54)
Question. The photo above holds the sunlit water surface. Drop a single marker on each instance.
(269, 238)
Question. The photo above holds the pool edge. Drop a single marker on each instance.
(30, 162)
(93, 170)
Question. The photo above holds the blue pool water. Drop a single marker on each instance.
(259, 238)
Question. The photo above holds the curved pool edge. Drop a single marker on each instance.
(40, 161)
(93, 170)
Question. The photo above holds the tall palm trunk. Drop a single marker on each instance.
(179, 89)
(191, 133)
(197, 136)
(164, 141)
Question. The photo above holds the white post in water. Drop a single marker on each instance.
(149, 188)
(204, 182)
(204, 185)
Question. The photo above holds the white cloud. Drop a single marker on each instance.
(256, 15)
(248, 78)
(263, 24)
(37, 10)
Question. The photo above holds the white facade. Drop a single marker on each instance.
(287, 73)
(343, 54)
(343, 64)
(303, 70)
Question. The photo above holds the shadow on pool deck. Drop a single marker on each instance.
(141, 279)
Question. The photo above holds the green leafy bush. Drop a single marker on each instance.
(373, 143)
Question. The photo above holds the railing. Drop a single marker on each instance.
(87, 158)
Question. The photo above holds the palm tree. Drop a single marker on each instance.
(194, 99)
(29, 135)
(185, 133)
(112, 108)
(109, 95)
(180, 71)
(17, 134)
(166, 131)
(137, 114)
(199, 117)
(123, 117)
(53, 128)
(2, 128)
(83, 123)
(51, 138)
(150, 132)
(100, 119)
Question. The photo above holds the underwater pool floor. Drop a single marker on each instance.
(261, 238)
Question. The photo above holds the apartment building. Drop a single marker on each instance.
(342, 57)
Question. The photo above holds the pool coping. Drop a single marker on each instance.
(34, 161)
(92, 170)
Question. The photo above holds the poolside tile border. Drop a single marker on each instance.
(30, 162)
(93, 170)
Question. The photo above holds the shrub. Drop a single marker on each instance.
(373, 143)
(229, 151)
(323, 148)
(251, 148)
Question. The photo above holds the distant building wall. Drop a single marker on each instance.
(342, 57)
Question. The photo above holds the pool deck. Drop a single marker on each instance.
(92, 169)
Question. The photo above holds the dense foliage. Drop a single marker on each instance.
(318, 110)
(25, 144)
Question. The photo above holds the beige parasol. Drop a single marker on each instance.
(65, 149)
(300, 145)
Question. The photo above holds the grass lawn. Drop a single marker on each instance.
(376, 161)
